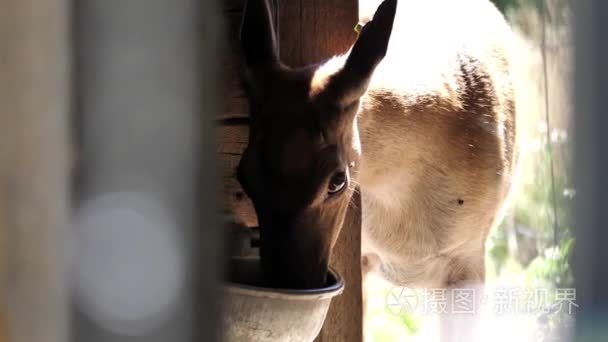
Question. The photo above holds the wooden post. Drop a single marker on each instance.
(309, 31)
(34, 106)
(313, 30)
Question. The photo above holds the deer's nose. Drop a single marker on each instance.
(293, 271)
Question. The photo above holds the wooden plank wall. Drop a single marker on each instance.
(309, 31)
(233, 130)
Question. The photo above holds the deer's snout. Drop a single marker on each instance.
(293, 272)
(292, 261)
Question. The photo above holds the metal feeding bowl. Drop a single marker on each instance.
(253, 312)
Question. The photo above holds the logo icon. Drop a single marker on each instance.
(402, 300)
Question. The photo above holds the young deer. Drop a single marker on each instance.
(425, 125)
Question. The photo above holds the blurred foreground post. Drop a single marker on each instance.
(146, 230)
(591, 169)
(34, 167)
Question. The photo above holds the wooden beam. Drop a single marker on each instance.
(314, 30)
(34, 168)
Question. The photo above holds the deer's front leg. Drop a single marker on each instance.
(369, 262)
(464, 297)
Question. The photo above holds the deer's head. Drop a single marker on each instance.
(300, 163)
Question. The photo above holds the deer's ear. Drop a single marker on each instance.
(369, 49)
(258, 38)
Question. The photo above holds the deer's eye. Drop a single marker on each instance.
(336, 183)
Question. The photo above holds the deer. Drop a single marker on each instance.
(419, 115)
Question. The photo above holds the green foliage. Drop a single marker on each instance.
(498, 251)
(411, 322)
(552, 267)
(504, 5)
(542, 6)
